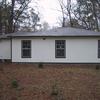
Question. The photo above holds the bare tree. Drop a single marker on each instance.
(1, 16)
(10, 13)
(66, 9)
(87, 12)
(63, 12)
(45, 26)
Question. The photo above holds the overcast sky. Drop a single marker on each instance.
(48, 11)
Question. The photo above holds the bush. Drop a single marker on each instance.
(40, 65)
(97, 67)
(54, 90)
(57, 93)
(14, 84)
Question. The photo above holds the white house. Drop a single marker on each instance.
(61, 45)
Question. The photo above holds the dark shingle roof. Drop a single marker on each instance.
(56, 32)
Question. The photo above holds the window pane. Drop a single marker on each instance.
(57, 46)
(60, 46)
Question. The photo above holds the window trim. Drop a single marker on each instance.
(25, 49)
(64, 49)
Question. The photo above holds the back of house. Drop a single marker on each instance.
(61, 45)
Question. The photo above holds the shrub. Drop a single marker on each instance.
(40, 65)
(57, 92)
(54, 90)
(14, 83)
(97, 67)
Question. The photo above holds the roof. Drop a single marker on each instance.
(4, 36)
(56, 32)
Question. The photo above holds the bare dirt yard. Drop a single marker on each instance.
(52, 82)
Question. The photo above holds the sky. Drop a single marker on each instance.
(48, 10)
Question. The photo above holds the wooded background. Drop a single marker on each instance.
(17, 15)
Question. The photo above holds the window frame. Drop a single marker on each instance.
(22, 56)
(56, 56)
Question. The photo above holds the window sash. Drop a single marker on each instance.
(60, 53)
(26, 53)
(26, 44)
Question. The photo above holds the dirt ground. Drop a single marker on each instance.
(52, 82)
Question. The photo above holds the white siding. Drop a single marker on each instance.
(78, 50)
(5, 49)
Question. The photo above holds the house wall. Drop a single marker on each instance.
(5, 49)
(78, 50)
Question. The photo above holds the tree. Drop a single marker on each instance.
(34, 18)
(61, 3)
(1, 16)
(85, 12)
(74, 22)
(15, 14)
(88, 13)
(45, 26)
(66, 9)
(30, 21)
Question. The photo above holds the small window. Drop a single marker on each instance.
(98, 48)
(26, 48)
(60, 49)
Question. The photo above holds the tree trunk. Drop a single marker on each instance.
(95, 15)
(11, 28)
(0, 19)
(69, 12)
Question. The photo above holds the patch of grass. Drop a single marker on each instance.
(97, 67)
(55, 89)
(40, 65)
(14, 83)
(57, 92)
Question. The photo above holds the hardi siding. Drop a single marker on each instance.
(5, 49)
(78, 50)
